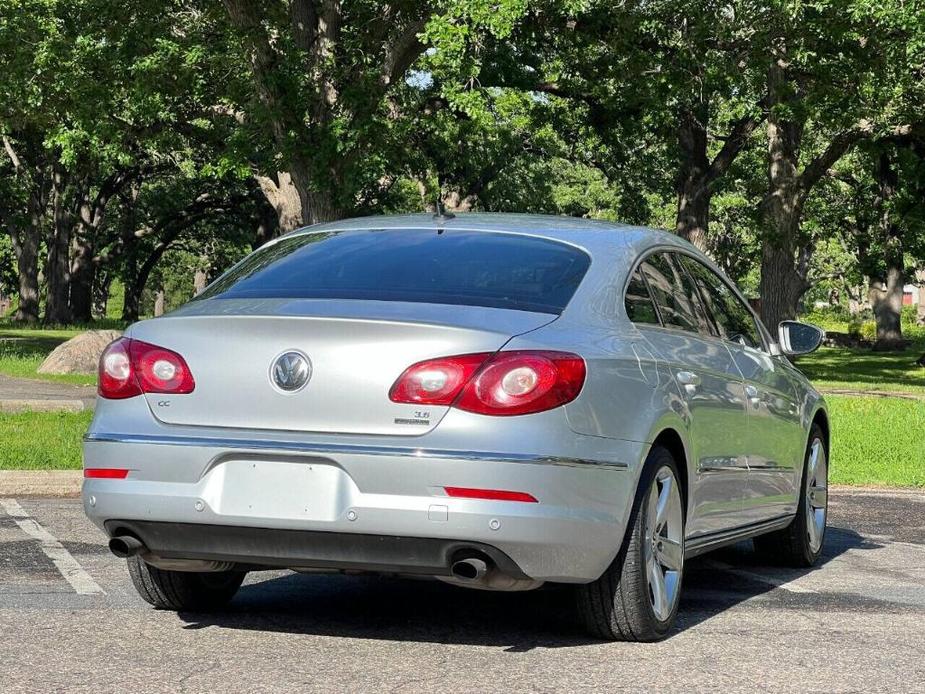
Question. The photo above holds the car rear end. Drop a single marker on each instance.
(363, 400)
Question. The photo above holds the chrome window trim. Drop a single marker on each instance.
(349, 449)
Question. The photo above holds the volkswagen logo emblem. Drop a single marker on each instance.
(291, 371)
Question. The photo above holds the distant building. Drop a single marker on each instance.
(910, 295)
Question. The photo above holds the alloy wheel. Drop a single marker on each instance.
(817, 496)
(664, 544)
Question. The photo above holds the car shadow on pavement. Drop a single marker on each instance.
(401, 609)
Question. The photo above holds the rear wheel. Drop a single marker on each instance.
(637, 597)
(183, 590)
(800, 543)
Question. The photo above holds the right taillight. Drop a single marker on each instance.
(131, 367)
(506, 383)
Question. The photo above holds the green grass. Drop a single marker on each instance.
(877, 441)
(863, 369)
(42, 440)
(22, 351)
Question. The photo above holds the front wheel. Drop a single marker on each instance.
(637, 597)
(800, 543)
(183, 590)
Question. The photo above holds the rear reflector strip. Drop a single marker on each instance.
(106, 473)
(492, 494)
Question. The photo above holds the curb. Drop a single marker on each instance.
(13, 406)
(40, 482)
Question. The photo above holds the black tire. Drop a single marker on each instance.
(791, 546)
(617, 606)
(183, 590)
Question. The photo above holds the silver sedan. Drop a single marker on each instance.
(496, 401)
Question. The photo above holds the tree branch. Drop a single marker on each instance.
(8, 146)
(734, 143)
(839, 145)
(403, 51)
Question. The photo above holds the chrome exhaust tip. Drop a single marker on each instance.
(125, 546)
(471, 569)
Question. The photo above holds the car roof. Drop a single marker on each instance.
(590, 234)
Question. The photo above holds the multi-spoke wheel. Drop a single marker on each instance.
(800, 543)
(637, 597)
(664, 542)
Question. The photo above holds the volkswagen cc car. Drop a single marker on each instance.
(496, 401)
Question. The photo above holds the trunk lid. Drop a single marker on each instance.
(356, 350)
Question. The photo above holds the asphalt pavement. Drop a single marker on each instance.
(70, 621)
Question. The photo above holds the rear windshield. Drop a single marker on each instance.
(454, 267)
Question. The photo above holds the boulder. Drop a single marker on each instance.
(80, 354)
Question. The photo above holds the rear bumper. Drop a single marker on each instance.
(360, 507)
(264, 547)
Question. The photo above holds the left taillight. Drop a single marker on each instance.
(131, 367)
(505, 383)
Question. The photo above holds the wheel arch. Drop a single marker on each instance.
(821, 417)
(672, 440)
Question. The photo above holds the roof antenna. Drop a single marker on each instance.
(442, 215)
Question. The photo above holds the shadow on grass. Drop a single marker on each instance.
(882, 370)
(19, 346)
(429, 611)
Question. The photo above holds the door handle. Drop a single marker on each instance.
(688, 378)
(752, 394)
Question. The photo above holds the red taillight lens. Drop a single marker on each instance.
(132, 367)
(506, 383)
(436, 381)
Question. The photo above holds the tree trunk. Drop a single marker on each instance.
(693, 185)
(131, 301)
(693, 217)
(83, 271)
(284, 198)
(783, 281)
(781, 288)
(57, 261)
(920, 308)
(25, 241)
(886, 299)
(200, 279)
(101, 291)
(886, 296)
(318, 205)
(159, 302)
(26, 250)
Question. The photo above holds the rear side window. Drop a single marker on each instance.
(672, 292)
(639, 305)
(735, 322)
(454, 267)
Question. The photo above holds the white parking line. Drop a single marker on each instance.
(72, 571)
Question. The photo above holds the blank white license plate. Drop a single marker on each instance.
(278, 489)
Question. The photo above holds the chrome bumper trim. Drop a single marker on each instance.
(350, 449)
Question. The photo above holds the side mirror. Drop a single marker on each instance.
(799, 338)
